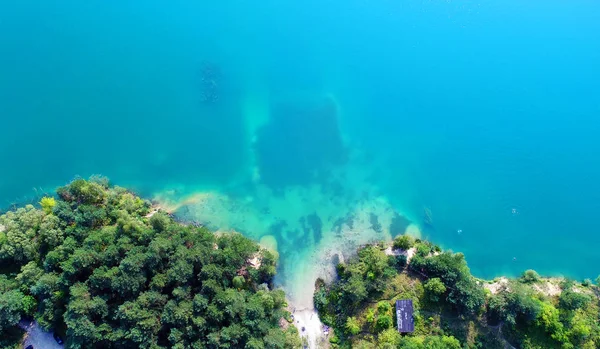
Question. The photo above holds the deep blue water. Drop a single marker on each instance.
(487, 112)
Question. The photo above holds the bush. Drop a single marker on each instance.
(47, 204)
(530, 276)
(383, 322)
(423, 250)
(399, 262)
(571, 300)
(352, 326)
(434, 288)
(238, 282)
(403, 242)
(383, 307)
(443, 342)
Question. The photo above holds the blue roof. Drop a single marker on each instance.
(404, 315)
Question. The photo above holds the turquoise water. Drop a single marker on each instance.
(328, 112)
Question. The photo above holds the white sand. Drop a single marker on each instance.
(153, 212)
(497, 285)
(408, 253)
(310, 327)
(549, 287)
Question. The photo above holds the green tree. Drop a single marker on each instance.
(352, 326)
(530, 276)
(50, 233)
(383, 307)
(383, 322)
(11, 308)
(434, 289)
(390, 337)
(47, 204)
(238, 282)
(403, 242)
(549, 321)
(19, 243)
(441, 342)
(571, 300)
(29, 275)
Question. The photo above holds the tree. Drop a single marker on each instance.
(530, 276)
(50, 233)
(238, 282)
(352, 326)
(434, 289)
(47, 204)
(390, 337)
(383, 322)
(19, 244)
(355, 290)
(403, 242)
(548, 320)
(383, 307)
(441, 342)
(29, 275)
(571, 300)
(399, 261)
(11, 307)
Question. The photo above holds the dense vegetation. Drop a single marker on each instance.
(95, 266)
(452, 308)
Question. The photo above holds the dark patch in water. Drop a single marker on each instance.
(399, 224)
(339, 223)
(335, 260)
(375, 222)
(296, 240)
(315, 223)
(277, 228)
(312, 227)
(300, 144)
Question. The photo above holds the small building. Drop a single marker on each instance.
(404, 315)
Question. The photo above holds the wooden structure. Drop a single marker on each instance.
(404, 315)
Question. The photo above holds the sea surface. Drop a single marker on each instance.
(317, 126)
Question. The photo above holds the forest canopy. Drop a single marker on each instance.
(95, 265)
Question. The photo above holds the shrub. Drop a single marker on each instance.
(352, 326)
(383, 322)
(434, 288)
(571, 300)
(423, 250)
(238, 282)
(398, 262)
(47, 204)
(530, 276)
(383, 307)
(403, 242)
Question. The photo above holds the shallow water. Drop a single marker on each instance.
(331, 119)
